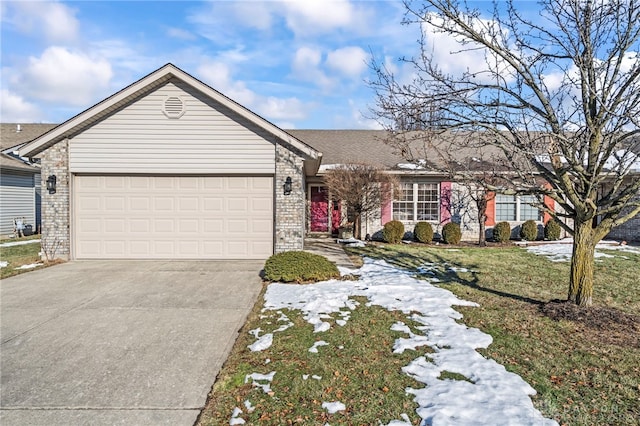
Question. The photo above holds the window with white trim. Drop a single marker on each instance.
(417, 201)
(514, 208)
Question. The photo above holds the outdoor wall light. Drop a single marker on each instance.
(51, 184)
(287, 186)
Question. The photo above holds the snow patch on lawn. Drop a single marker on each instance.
(30, 266)
(235, 420)
(561, 252)
(333, 407)
(490, 389)
(264, 342)
(316, 345)
(19, 243)
(257, 378)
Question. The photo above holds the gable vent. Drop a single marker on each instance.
(173, 107)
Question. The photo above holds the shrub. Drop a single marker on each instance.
(451, 233)
(552, 230)
(529, 230)
(423, 232)
(393, 231)
(502, 232)
(299, 266)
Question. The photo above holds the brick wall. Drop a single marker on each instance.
(290, 209)
(55, 207)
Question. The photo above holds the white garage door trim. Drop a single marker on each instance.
(173, 217)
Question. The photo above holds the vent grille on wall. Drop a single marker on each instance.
(173, 107)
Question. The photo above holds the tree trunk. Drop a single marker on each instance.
(481, 204)
(357, 232)
(482, 239)
(582, 261)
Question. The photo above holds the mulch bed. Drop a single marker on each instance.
(606, 325)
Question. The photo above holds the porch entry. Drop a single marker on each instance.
(324, 214)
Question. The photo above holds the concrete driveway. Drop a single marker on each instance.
(118, 342)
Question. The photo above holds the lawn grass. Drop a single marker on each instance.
(17, 256)
(583, 375)
(357, 368)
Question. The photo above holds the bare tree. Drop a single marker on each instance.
(362, 188)
(553, 98)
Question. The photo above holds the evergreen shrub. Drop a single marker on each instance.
(451, 233)
(502, 232)
(423, 232)
(529, 230)
(393, 231)
(299, 267)
(552, 230)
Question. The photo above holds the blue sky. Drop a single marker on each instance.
(300, 64)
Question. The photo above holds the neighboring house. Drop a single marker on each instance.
(424, 195)
(19, 179)
(170, 168)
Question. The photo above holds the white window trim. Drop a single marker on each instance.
(415, 202)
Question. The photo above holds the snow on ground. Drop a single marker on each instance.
(30, 266)
(316, 345)
(333, 407)
(3, 264)
(561, 251)
(491, 389)
(19, 243)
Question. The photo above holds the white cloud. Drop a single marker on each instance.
(350, 61)
(278, 109)
(219, 76)
(254, 14)
(14, 109)
(220, 20)
(55, 21)
(66, 77)
(306, 66)
(318, 16)
(307, 57)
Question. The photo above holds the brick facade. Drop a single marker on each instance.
(289, 209)
(56, 236)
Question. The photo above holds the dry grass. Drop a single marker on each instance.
(17, 256)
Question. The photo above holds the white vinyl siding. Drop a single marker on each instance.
(173, 217)
(207, 138)
(17, 199)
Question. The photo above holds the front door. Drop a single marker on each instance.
(319, 209)
(324, 213)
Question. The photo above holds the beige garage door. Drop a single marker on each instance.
(168, 217)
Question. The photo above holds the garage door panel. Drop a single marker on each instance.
(173, 217)
(114, 182)
(139, 248)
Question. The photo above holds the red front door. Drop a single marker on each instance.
(319, 209)
(323, 211)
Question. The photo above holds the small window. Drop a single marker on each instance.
(173, 107)
(506, 207)
(527, 211)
